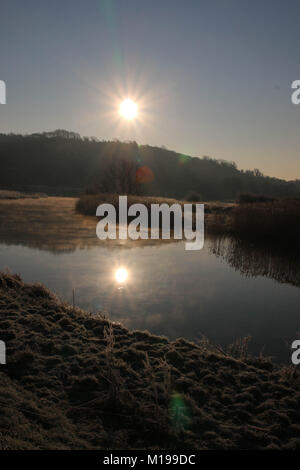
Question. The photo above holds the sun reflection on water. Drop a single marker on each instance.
(121, 275)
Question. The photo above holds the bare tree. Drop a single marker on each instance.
(120, 177)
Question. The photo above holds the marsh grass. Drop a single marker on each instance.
(88, 203)
(63, 224)
(276, 221)
(52, 224)
(78, 381)
(248, 198)
(216, 212)
(7, 194)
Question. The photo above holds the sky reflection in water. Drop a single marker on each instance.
(170, 291)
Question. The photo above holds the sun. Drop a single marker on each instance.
(121, 275)
(128, 109)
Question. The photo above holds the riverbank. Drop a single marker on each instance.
(76, 381)
(261, 219)
(88, 203)
(54, 224)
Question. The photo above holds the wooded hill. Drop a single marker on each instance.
(65, 161)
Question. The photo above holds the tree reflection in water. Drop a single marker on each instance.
(279, 263)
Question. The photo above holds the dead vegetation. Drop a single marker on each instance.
(52, 224)
(277, 220)
(8, 194)
(76, 381)
(88, 203)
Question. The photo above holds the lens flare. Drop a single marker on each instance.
(179, 412)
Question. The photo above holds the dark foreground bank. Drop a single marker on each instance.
(73, 381)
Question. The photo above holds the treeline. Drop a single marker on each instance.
(63, 159)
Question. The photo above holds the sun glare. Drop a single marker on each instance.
(128, 109)
(121, 275)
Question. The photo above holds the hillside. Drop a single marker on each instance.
(76, 381)
(63, 163)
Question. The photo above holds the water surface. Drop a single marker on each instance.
(224, 291)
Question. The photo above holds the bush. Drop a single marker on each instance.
(192, 196)
(94, 189)
(249, 198)
(88, 203)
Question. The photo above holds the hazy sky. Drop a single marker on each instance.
(210, 77)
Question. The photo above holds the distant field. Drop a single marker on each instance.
(52, 223)
(71, 222)
(47, 222)
(5, 194)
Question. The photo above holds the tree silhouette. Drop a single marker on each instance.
(63, 162)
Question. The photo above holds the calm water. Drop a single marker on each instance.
(223, 291)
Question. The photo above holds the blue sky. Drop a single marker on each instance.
(210, 77)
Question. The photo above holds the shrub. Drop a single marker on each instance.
(249, 198)
(94, 189)
(192, 196)
(87, 204)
